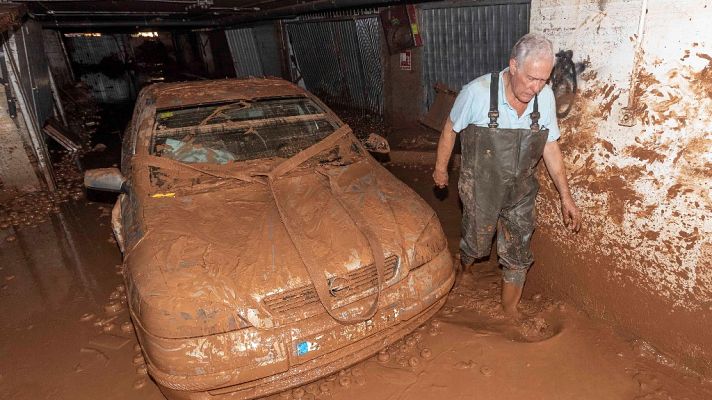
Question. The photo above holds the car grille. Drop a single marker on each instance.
(357, 282)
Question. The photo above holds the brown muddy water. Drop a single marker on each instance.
(66, 332)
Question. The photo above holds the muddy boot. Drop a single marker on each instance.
(511, 294)
(463, 266)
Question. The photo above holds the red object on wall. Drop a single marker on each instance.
(400, 26)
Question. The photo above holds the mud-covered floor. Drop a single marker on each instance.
(65, 331)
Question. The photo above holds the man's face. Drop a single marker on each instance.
(530, 77)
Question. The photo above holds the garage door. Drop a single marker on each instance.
(340, 61)
(464, 42)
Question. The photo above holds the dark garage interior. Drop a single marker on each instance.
(235, 199)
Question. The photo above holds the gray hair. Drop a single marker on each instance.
(532, 44)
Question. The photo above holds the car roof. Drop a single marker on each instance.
(181, 94)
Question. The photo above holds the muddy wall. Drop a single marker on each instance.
(643, 259)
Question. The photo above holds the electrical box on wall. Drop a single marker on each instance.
(400, 27)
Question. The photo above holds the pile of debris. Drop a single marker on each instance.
(33, 208)
(81, 118)
(80, 105)
(364, 124)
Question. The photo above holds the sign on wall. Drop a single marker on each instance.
(405, 60)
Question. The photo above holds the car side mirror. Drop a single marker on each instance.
(376, 144)
(106, 179)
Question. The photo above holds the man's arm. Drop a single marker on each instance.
(445, 145)
(554, 162)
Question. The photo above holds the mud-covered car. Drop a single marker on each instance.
(263, 246)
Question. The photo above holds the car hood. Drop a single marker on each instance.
(211, 258)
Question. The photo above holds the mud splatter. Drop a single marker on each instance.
(646, 212)
(608, 146)
(608, 97)
(645, 154)
(588, 74)
(581, 124)
(664, 105)
(651, 235)
(701, 82)
(675, 190)
(691, 238)
(617, 183)
(694, 166)
(645, 81)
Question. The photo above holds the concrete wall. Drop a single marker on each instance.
(643, 259)
(403, 89)
(16, 170)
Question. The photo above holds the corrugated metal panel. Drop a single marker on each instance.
(340, 61)
(315, 52)
(34, 71)
(90, 51)
(342, 13)
(28, 74)
(56, 58)
(244, 52)
(268, 49)
(108, 90)
(369, 37)
(462, 43)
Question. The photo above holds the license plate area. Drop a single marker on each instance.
(308, 346)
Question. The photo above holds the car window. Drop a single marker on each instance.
(240, 131)
(235, 111)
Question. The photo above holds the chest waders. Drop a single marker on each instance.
(498, 188)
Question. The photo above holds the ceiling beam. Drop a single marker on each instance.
(203, 20)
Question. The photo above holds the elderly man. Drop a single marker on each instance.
(506, 122)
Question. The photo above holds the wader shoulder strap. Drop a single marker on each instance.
(494, 101)
(535, 115)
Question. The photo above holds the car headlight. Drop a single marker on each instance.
(429, 244)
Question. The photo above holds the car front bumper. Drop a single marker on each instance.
(251, 363)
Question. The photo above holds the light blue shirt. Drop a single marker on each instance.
(472, 105)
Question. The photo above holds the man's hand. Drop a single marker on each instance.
(554, 162)
(571, 215)
(440, 177)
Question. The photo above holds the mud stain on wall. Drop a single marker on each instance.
(616, 184)
(702, 80)
(645, 154)
(646, 80)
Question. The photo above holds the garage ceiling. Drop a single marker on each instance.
(174, 13)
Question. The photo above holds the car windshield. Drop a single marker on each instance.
(240, 130)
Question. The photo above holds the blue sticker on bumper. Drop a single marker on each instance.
(305, 347)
